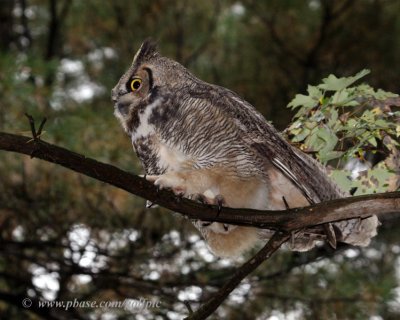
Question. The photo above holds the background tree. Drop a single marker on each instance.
(64, 236)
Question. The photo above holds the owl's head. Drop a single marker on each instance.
(150, 77)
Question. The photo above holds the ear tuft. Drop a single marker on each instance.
(147, 51)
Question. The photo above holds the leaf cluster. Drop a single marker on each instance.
(340, 122)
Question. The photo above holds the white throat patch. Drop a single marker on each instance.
(145, 128)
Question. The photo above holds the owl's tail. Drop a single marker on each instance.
(357, 232)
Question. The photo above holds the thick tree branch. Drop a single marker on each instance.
(286, 220)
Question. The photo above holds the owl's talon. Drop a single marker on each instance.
(170, 181)
(206, 223)
(150, 177)
(178, 198)
(219, 209)
(226, 227)
(199, 198)
(220, 201)
(179, 192)
(149, 204)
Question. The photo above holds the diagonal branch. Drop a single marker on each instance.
(285, 220)
(265, 253)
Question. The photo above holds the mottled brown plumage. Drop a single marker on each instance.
(205, 142)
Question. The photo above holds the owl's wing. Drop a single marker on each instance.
(304, 172)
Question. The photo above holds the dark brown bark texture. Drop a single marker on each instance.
(287, 220)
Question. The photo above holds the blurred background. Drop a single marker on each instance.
(64, 236)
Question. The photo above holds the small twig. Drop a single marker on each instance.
(188, 306)
(35, 134)
(265, 253)
(32, 124)
(39, 132)
(286, 203)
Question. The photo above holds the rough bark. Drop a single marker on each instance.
(286, 220)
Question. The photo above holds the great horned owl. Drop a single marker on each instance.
(205, 142)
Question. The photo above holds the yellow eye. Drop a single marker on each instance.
(135, 84)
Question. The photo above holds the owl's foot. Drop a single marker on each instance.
(208, 197)
(168, 181)
(199, 197)
(219, 201)
(217, 227)
(177, 184)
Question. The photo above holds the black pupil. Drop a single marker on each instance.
(136, 84)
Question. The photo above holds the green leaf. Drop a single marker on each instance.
(295, 125)
(340, 97)
(318, 116)
(301, 135)
(296, 131)
(301, 100)
(313, 141)
(344, 98)
(382, 123)
(330, 155)
(342, 178)
(368, 91)
(382, 95)
(333, 117)
(310, 124)
(330, 143)
(372, 181)
(327, 135)
(368, 116)
(332, 83)
(365, 90)
(351, 124)
(372, 141)
(351, 103)
(314, 92)
(324, 141)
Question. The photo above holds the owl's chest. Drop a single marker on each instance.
(158, 156)
(152, 144)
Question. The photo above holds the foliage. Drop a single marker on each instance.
(344, 122)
